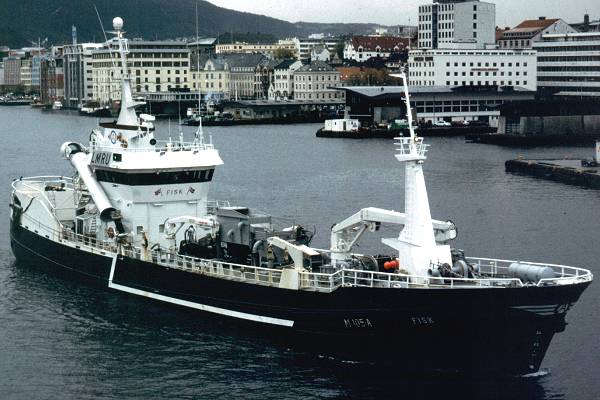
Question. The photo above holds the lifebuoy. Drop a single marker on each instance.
(110, 232)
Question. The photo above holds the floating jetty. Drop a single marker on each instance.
(567, 171)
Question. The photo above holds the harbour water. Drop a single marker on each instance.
(61, 339)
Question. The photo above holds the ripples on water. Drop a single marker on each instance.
(62, 339)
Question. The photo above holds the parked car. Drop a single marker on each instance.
(442, 123)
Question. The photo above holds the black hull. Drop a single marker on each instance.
(474, 330)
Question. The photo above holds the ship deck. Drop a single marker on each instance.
(493, 273)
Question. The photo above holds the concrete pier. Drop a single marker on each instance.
(566, 171)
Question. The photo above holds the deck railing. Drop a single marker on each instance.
(495, 272)
(161, 146)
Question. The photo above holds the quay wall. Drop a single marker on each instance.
(545, 169)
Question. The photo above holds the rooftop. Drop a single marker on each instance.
(316, 66)
(385, 43)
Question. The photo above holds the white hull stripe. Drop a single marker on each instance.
(197, 306)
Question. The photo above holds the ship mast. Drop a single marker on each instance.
(127, 115)
(416, 245)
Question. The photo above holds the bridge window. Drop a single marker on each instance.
(154, 178)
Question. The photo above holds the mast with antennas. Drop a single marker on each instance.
(416, 244)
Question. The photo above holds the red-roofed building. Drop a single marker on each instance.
(523, 35)
(361, 48)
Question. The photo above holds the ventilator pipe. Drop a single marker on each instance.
(257, 245)
(74, 153)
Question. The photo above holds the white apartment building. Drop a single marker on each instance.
(473, 68)
(304, 46)
(154, 67)
(569, 64)
(77, 65)
(452, 23)
(315, 82)
(283, 83)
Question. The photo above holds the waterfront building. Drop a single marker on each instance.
(317, 81)
(450, 23)
(155, 66)
(569, 64)
(516, 68)
(242, 74)
(361, 48)
(304, 46)
(12, 70)
(374, 105)
(527, 32)
(282, 87)
(77, 70)
(268, 49)
(264, 77)
(26, 72)
(212, 80)
(51, 78)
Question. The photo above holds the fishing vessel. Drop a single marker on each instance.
(136, 218)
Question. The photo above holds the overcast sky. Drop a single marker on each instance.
(390, 12)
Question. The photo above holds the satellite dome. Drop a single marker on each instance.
(118, 23)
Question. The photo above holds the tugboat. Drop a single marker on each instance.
(136, 219)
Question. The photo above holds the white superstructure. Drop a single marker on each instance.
(136, 180)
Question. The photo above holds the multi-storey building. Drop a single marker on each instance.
(527, 32)
(242, 74)
(154, 66)
(12, 70)
(317, 82)
(51, 78)
(361, 48)
(473, 68)
(77, 68)
(451, 23)
(282, 86)
(26, 72)
(569, 64)
(268, 49)
(304, 46)
(264, 77)
(212, 80)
